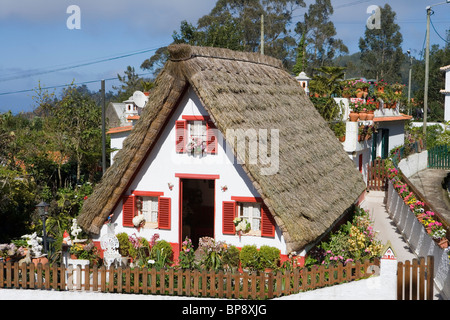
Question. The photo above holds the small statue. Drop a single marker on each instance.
(75, 229)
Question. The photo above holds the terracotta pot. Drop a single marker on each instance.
(363, 116)
(443, 243)
(342, 139)
(353, 116)
(370, 116)
(359, 93)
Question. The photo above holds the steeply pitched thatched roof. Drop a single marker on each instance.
(316, 181)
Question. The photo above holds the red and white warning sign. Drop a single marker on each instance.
(389, 254)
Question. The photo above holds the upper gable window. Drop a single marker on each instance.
(195, 135)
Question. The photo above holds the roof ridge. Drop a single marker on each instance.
(184, 52)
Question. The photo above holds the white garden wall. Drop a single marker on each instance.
(418, 239)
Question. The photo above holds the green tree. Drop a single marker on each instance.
(439, 57)
(321, 44)
(79, 119)
(381, 52)
(130, 82)
(236, 25)
(17, 201)
(300, 62)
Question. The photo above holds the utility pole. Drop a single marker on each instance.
(103, 128)
(262, 34)
(427, 70)
(409, 82)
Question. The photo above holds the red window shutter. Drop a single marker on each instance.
(211, 139)
(267, 223)
(181, 135)
(228, 215)
(164, 213)
(128, 210)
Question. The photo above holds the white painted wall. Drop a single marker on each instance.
(117, 140)
(163, 163)
(414, 163)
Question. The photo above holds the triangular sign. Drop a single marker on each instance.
(388, 252)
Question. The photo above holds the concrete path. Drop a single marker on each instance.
(387, 231)
(429, 183)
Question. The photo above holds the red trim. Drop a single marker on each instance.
(196, 118)
(197, 176)
(247, 199)
(267, 223)
(228, 215)
(128, 210)
(147, 193)
(180, 215)
(211, 139)
(164, 213)
(180, 136)
(360, 164)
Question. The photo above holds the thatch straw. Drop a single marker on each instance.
(316, 182)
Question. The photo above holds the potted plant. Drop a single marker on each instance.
(241, 225)
(397, 88)
(380, 85)
(363, 112)
(85, 252)
(340, 129)
(364, 87)
(361, 133)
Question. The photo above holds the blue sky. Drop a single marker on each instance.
(35, 38)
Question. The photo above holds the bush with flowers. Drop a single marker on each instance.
(187, 255)
(212, 253)
(11, 252)
(427, 218)
(85, 252)
(354, 241)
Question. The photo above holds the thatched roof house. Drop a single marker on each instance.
(316, 181)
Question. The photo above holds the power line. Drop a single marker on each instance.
(351, 4)
(65, 85)
(41, 72)
(438, 32)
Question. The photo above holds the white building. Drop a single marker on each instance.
(446, 92)
(122, 117)
(291, 196)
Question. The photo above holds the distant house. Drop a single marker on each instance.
(389, 134)
(122, 117)
(446, 92)
(226, 134)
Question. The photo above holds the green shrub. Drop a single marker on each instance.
(124, 244)
(231, 258)
(249, 257)
(269, 257)
(162, 254)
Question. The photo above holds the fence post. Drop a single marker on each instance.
(400, 280)
(430, 277)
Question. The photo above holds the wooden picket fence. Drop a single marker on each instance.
(439, 157)
(415, 280)
(193, 283)
(376, 175)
